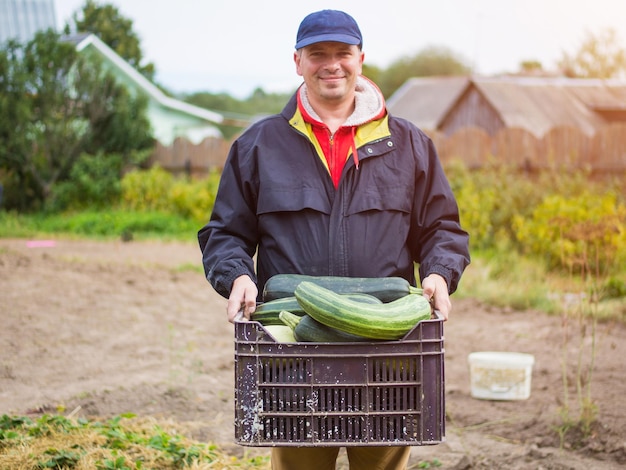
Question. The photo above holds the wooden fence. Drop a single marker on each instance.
(563, 148)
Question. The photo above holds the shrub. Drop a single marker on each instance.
(94, 181)
(585, 233)
(195, 199)
(147, 190)
(158, 190)
(489, 199)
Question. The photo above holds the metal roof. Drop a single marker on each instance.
(536, 104)
(424, 101)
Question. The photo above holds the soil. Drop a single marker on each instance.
(96, 329)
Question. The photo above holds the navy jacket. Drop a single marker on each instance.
(276, 200)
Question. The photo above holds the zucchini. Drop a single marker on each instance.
(386, 289)
(383, 321)
(307, 329)
(267, 313)
(281, 333)
(289, 319)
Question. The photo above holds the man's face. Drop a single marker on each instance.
(329, 69)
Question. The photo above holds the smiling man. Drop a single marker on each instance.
(333, 186)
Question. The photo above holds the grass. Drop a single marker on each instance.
(112, 224)
(123, 442)
(505, 279)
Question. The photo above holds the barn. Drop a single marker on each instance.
(536, 104)
(571, 122)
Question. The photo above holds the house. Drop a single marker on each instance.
(534, 104)
(170, 118)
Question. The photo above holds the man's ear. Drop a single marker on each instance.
(296, 59)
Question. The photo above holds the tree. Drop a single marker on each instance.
(373, 72)
(431, 61)
(15, 112)
(115, 30)
(530, 67)
(599, 56)
(56, 107)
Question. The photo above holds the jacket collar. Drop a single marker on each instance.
(369, 103)
(374, 129)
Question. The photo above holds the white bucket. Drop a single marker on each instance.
(500, 375)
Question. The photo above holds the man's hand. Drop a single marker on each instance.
(436, 290)
(242, 297)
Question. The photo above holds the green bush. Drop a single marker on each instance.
(94, 181)
(195, 199)
(489, 199)
(157, 189)
(147, 190)
(584, 233)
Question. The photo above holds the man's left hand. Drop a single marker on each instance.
(436, 291)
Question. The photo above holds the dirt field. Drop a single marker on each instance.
(99, 329)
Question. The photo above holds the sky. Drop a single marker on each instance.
(235, 46)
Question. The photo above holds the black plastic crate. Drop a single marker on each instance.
(339, 394)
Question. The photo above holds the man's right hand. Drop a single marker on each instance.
(242, 297)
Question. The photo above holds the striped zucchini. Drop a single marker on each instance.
(384, 321)
(267, 313)
(307, 329)
(386, 289)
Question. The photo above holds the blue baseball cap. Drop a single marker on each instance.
(328, 25)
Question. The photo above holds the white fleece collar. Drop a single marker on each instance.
(369, 103)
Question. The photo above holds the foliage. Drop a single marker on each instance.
(123, 442)
(489, 199)
(585, 233)
(239, 113)
(94, 181)
(431, 61)
(158, 190)
(120, 223)
(110, 223)
(147, 190)
(373, 72)
(530, 67)
(599, 56)
(50, 115)
(115, 30)
(516, 225)
(195, 199)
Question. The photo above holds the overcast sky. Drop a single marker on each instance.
(236, 46)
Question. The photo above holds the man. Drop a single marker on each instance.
(333, 185)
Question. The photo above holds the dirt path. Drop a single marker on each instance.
(106, 328)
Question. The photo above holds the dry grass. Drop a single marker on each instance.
(125, 443)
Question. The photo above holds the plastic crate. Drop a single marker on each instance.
(339, 394)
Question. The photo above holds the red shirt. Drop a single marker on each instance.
(337, 148)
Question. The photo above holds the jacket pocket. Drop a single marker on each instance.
(292, 200)
(381, 198)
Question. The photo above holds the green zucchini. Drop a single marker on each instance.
(289, 319)
(267, 313)
(390, 320)
(307, 329)
(281, 333)
(386, 289)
